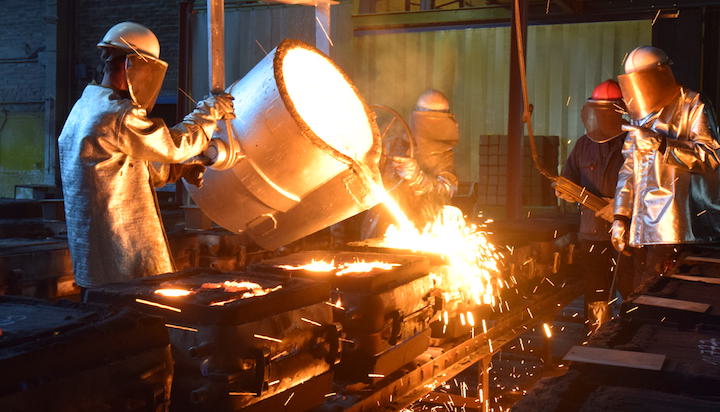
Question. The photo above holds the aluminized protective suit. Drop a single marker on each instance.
(429, 179)
(108, 150)
(669, 184)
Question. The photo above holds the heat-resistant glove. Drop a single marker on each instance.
(618, 235)
(221, 104)
(407, 168)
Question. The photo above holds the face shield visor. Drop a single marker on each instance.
(649, 90)
(602, 119)
(436, 134)
(145, 76)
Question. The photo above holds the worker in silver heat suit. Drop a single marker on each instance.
(112, 154)
(668, 191)
(428, 179)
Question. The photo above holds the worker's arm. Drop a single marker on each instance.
(151, 140)
(164, 173)
(699, 153)
(444, 185)
(571, 171)
(625, 189)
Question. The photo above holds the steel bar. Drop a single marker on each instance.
(516, 110)
(416, 383)
(484, 370)
(216, 49)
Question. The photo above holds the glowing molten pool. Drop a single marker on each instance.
(327, 102)
(173, 292)
(364, 267)
(248, 290)
(359, 266)
(313, 266)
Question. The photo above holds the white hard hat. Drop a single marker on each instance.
(644, 57)
(132, 37)
(433, 100)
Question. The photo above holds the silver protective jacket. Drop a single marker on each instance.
(111, 156)
(669, 184)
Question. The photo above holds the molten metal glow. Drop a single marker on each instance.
(173, 292)
(360, 266)
(327, 102)
(364, 267)
(472, 261)
(313, 266)
(248, 289)
(548, 333)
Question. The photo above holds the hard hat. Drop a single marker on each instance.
(132, 37)
(433, 100)
(607, 90)
(601, 114)
(644, 57)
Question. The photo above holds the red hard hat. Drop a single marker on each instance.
(607, 90)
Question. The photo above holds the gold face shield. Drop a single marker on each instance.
(649, 90)
(145, 76)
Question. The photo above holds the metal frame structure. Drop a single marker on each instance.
(401, 391)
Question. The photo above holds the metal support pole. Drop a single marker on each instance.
(184, 74)
(216, 49)
(515, 121)
(484, 379)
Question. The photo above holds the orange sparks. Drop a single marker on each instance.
(288, 399)
(180, 327)
(268, 338)
(548, 333)
(335, 305)
(471, 268)
(312, 322)
(159, 305)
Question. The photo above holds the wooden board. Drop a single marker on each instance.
(671, 303)
(702, 259)
(703, 279)
(613, 357)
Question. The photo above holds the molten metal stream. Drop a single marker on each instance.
(472, 262)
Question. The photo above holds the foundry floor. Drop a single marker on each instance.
(515, 368)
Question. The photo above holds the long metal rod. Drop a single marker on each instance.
(216, 45)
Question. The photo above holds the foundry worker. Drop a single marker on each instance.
(112, 154)
(428, 179)
(593, 164)
(668, 187)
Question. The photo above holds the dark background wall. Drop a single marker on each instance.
(22, 73)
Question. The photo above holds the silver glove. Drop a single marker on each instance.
(618, 235)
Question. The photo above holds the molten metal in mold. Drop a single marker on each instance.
(360, 266)
(173, 292)
(246, 288)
